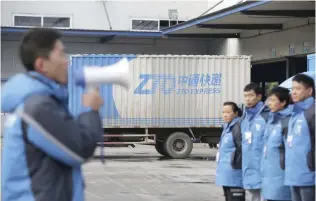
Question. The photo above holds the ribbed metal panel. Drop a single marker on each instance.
(184, 90)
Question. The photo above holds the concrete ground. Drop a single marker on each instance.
(140, 173)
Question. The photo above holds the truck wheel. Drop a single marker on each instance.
(160, 149)
(178, 145)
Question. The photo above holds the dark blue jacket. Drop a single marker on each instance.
(300, 145)
(273, 157)
(252, 126)
(228, 170)
(44, 146)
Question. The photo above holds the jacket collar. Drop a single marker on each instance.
(251, 112)
(304, 105)
(58, 90)
(274, 116)
(228, 126)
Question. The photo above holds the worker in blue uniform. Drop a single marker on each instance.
(252, 126)
(300, 141)
(273, 158)
(44, 145)
(228, 170)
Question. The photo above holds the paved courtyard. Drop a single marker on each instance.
(139, 174)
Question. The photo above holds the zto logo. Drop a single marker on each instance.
(157, 80)
(185, 84)
(258, 127)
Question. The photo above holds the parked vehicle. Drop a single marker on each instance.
(311, 62)
(175, 100)
(288, 83)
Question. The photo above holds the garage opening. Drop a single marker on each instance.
(272, 73)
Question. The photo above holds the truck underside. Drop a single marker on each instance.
(175, 143)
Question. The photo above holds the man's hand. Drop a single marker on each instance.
(93, 100)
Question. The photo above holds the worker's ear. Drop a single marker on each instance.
(259, 96)
(40, 65)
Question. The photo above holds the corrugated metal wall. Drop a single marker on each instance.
(167, 91)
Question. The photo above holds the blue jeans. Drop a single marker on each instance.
(303, 193)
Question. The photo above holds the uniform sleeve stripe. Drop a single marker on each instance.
(28, 119)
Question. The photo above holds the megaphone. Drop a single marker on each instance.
(91, 76)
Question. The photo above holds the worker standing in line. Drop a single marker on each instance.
(253, 124)
(273, 158)
(228, 170)
(44, 145)
(300, 141)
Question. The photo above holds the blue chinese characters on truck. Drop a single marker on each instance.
(185, 84)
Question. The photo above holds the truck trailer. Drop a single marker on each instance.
(174, 100)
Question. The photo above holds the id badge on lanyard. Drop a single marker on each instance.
(248, 136)
(290, 140)
(265, 148)
(217, 156)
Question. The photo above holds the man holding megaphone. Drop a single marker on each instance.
(44, 146)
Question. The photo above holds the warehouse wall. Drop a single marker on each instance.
(10, 63)
(260, 45)
(231, 46)
(220, 4)
(92, 15)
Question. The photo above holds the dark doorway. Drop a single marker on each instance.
(268, 75)
(272, 73)
(297, 65)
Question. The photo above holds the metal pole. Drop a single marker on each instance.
(107, 14)
(287, 68)
(212, 7)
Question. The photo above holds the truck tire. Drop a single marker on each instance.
(160, 148)
(178, 145)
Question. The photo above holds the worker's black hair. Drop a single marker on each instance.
(37, 42)
(306, 81)
(234, 107)
(253, 86)
(283, 94)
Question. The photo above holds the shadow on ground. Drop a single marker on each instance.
(144, 158)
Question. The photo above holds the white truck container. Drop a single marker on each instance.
(173, 98)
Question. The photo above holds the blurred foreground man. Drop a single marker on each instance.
(44, 146)
(300, 141)
(252, 127)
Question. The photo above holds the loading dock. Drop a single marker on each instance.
(257, 25)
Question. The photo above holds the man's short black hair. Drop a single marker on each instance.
(306, 81)
(253, 86)
(282, 93)
(37, 42)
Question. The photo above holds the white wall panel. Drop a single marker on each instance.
(91, 14)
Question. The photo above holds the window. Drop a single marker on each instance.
(27, 21)
(152, 25)
(41, 21)
(164, 24)
(145, 25)
(56, 22)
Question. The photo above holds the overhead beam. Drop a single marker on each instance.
(106, 39)
(281, 13)
(242, 26)
(221, 35)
